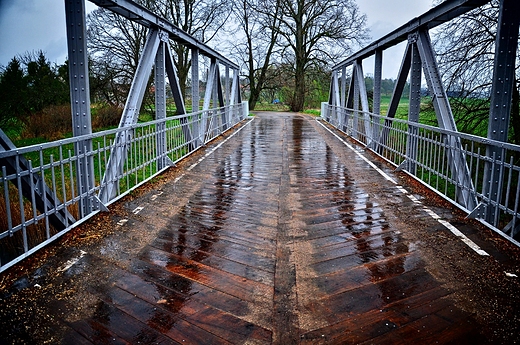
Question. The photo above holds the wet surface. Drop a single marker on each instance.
(281, 236)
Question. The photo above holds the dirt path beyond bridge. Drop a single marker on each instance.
(281, 234)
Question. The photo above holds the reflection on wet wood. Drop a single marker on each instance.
(279, 244)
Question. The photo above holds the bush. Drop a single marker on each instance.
(106, 116)
(50, 123)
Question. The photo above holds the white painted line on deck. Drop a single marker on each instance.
(71, 262)
(156, 195)
(137, 209)
(212, 150)
(122, 222)
(385, 175)
(432, 214)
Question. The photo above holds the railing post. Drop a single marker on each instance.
(80, 101)
(160, 105)
(195, 95)
(376, 107)
(501, 96)
(414, 108)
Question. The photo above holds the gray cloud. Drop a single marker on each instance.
(32, 25)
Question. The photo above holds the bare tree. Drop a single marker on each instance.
(201, 19)
(115, 45)
(318, 32)
(259, 32)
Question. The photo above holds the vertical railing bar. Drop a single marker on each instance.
(53, 177)
(21, 204)
(494, 162)
(7, 201)
(71, 172)
(517, 201)
(63, 188)
(33, 196)
(104, 159)
(44, 194)
(509, 179)
(438, 161)
(100, 170)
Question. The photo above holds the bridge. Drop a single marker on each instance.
(216, 227)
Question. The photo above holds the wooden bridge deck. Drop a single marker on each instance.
(282, 235)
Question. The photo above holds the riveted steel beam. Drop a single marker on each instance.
(160, 105)
(414, 108)
(147, 18)
(501, 97)
(456, 158)
(442, 13)
(80, 101)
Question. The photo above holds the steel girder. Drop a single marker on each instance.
(414, 108)
(155, 53)
(456, 158)
(140, 14)
(501, 97)
(440, 14)
(419, 54)
(195, 95)
(160, 106)
(210, 86)
(80, 101)
(130, 115)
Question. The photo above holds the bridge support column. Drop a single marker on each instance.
(501, 97)
(80, 102)
(414, 108)
(160, 105)
(195, 96)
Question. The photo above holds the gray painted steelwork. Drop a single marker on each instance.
(123, 158)
(145, 17)
(501, 98)
(495, 202)
(80, 98)
(436, 16)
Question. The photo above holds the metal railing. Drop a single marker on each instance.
(423, 151)
(51, 169)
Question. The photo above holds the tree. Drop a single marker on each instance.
(465, 47)
(318, 32)
(115, 45)
(45, 87)
(201, 19)
(258, 21)
(13, 94)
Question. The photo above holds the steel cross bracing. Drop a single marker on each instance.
(157, 53)
(410, 148)
(91, 170)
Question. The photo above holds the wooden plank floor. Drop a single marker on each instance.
(281, 236)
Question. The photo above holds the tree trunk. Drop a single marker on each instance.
(253, 98)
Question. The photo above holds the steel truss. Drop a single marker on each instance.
(419, 57)
(157, 53)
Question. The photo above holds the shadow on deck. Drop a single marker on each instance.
(282, 235)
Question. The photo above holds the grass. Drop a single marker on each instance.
(262, 106)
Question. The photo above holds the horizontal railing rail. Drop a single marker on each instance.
(52, 167)
(421, 150)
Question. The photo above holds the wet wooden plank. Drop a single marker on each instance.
(281, 241)
(214, 297)
(249, 267)
(212, 277)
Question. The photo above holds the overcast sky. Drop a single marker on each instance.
(31, 25)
